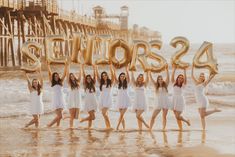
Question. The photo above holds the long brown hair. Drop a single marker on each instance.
(102, 82)
(139, 84)
(39, 89)
(176, 82)
(91, 85)
(54, 82)
(120, 83)
(164, 84)
(73, 83)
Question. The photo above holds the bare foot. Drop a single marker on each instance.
(188, 122)
(48, 125)
(217, 110)
(147, 126)
(109, 129)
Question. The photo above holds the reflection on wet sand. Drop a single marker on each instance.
(60, 142)
(203, 139)
(165, 139)
(180, 139)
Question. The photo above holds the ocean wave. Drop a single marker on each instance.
(221, 88)
(15, 98)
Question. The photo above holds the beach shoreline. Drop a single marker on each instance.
(62, 141)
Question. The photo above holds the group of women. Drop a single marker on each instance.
(106, 83)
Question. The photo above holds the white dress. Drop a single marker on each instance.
(74, 98)
(36, 104)
(200, 96)
(162, 99)
(90, 102)
(140, 99)
(123, 99)
(178, 99)
(105, 97)
(58, 101)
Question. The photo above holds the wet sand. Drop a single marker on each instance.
(217, 141)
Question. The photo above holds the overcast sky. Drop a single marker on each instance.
(198, 20)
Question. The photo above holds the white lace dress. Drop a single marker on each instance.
(201, 98)
(178, 98)
(105, 97)
(36, 104)
(162, 99)
(140, 99)
(90, 101)
(58, 100)
(74, 98)
(123, 99)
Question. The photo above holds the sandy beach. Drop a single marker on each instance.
(217, 141)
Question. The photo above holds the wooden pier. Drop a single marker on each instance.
(33, 20)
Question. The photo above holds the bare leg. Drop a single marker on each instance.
(90, 118)
(36, 117)
(139, 117)
(60, 116)
(33, 121)
(164, 114)
(106, 118)
(89, 124)
(154, 115)
(122, 112)
(181, 118)
(123, 123)
(139, 122)
(77, 112)
(72, 115)
(203, 114)
(178, 122)
(207, 113)
(57, 118)
(30, 123)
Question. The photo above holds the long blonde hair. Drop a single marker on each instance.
(164, 84)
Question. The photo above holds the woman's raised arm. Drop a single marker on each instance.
(28, 81)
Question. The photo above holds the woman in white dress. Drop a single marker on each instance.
(140, 104)
(201, 98)
(74, 97)
(178, 98)
(36, 104)
(58, 101)
(162, 98)
(90, 102)
(106, 93)
(123, 99)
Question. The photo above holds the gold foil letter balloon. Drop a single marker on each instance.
(104, 42)
(112, 50)
(87, 53)
(77, 47)
(211, 62)
(162, 62)
(50, 54)
(142, 58)
(25, 50)
(180, 53)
